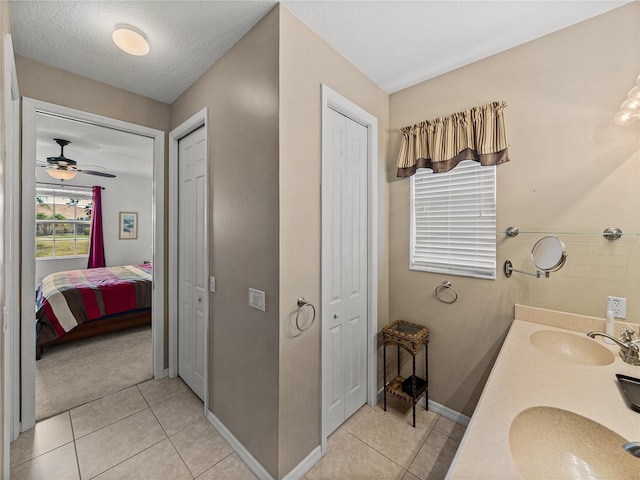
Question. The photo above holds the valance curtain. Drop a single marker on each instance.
(476, 134)
(96, 241)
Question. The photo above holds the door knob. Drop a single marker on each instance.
(199, 300)
(336, 315)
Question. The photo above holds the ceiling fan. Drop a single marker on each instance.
(63, 168)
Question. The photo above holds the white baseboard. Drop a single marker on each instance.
(305, 465)
(254, 465)
(441, 410)
(446, 412)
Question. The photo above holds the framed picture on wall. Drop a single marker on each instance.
(128, 225)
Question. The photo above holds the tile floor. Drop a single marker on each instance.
(156, 430)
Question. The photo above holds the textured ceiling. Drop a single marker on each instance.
(186, 38)
(398, 44)
(395, 43)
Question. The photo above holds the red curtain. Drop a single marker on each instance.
(96, 241)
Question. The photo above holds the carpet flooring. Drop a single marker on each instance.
(78, 372)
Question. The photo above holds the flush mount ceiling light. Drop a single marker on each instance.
(630, 109)
(130, 40)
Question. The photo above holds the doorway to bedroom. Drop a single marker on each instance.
(90, 199)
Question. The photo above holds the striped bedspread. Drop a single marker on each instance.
(66, 299)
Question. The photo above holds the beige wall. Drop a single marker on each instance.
(572, 170)
(5, 27)
(306, 62)
(241, 91)
(257, 202)
(49, 84)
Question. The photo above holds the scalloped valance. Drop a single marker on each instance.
(476, 134)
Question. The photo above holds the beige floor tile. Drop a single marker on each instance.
(47, 435)
(409, 476)
(58, 464)
(349, 458)
(435, 457)
(231, 468)
(79, 372)
(179, 412)
(156, 391)
(401, 409)
(390, 433)
(107, 410)
(200, 446)
(109, 446)
(454, 430)
(160, 462)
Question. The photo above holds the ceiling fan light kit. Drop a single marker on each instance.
(60, 174)
(63, 168)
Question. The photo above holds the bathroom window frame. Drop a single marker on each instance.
(453, 221)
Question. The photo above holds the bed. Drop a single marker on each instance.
(83, 303)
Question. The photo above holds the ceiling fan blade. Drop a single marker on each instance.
(99, 167)
(100, 174)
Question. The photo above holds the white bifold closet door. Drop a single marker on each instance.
(344, 281)
(192, 281)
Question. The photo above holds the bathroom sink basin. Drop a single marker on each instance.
(550, 443)
(572, 348)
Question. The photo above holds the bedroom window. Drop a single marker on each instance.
(63, 219)
(453, 221)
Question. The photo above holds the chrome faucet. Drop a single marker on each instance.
(633, 448)
(629, 349)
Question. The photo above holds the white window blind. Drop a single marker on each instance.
(453, 221)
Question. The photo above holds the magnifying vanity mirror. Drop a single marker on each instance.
(548, 254)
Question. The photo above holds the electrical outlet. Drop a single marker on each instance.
(618, 306)
(256, 299)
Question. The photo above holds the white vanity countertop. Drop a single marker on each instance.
(524, 377)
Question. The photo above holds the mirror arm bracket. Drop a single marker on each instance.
(508, 270)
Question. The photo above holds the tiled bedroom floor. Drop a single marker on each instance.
(156, 430)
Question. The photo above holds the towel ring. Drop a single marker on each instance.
(445, 286)
(302, 303)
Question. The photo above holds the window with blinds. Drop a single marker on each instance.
(453, 221)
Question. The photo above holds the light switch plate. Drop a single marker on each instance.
(212, 284)
(257, 299)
